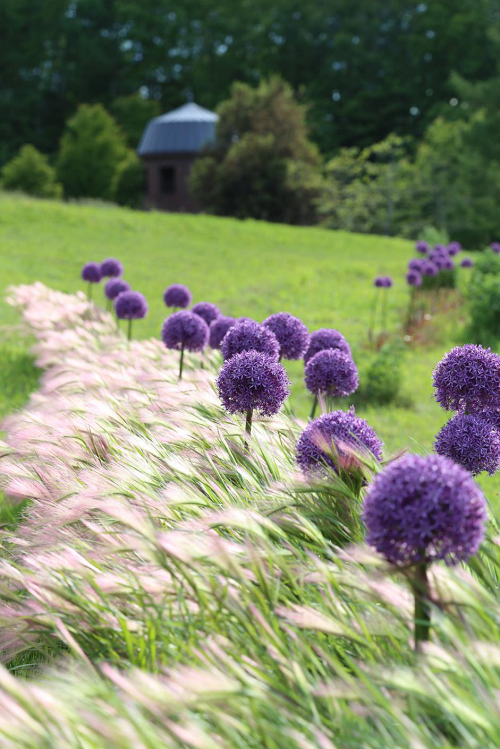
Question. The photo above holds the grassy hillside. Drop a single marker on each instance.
(246, 268)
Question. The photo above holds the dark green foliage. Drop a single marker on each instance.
(128, 182)
(362, 66)
(484, 300)
(92, 148)
(30, 172)
(18, 376)
(133, 113)
(262, 164)
(381, 382)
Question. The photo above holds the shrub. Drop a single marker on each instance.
(31, 173)
(483, 297)
(262, 164)
(383, 377)
(128, 182)
(92, 148)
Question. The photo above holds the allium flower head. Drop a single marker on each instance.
(422, 247)
(248, 335)
(131, 305)
(326, 338)
(219, 328)
(337, 432)
(388, 282)
(495, 246)
(186, 330)
(467, 262)
(91, 272)
(206, 310)
(424, 509)
(111, 267)
(454, 248)
(252, 380)
(177, 295)
(442, 248)
(115, 286)
(414, 278)
(468, 378)
(331, 372)
(448, 264)
(471, 441)
(429, 268)
(379, 282)
(292, 334)
(417, 264)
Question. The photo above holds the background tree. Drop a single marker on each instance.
(92, 148)
(132, 113)
(31, 172)
(262, 164)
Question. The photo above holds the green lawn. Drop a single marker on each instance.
(246, 268)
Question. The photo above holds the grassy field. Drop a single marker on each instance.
(246, 268)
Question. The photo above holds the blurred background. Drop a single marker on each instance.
(373, 116)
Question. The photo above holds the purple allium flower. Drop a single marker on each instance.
(429, 268)
(388, 282)
(495, 246)
(326, 338)
(111, 267)
(252, 380)
(467, 262)
(442, 248)
(91, 272)
(115, 286)
(332, 373)
(131, 305)
(206, 310)
(448, 264)
(471, 441)
(177, 295)
(492, 415)
(219, 328)
(468, 378)
(454, 248)
(379, 282)
(185, 330)
(414, 278)
(337, 432)
(249, 336)
(422, 247)
(423, 509)
(292, 334)
(416, 264)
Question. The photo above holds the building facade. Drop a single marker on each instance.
(169, 146)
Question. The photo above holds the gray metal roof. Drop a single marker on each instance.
(186, 129)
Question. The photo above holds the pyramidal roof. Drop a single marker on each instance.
(184, 130)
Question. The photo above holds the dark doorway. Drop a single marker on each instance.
(167, 180)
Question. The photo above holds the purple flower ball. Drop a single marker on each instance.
(429, 268)
(448, 264)
(252, 380)
(131, 305)
(219, 328)
(186, 330)
(337, 432)
(416, 264)
(454, 248)
(207, 311)
(388, 282)
(177, 295)
(422, 247)
(495, 246)
(249, 336)
(292, 334)
(423, 509)
(472, 442)
(326, 338)
(414, 278)
(331, 372)
(111, 267)
(91, 272)
(379, 282)
(468, 378)
(467, 262)
(115, 286)
(441, 248)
